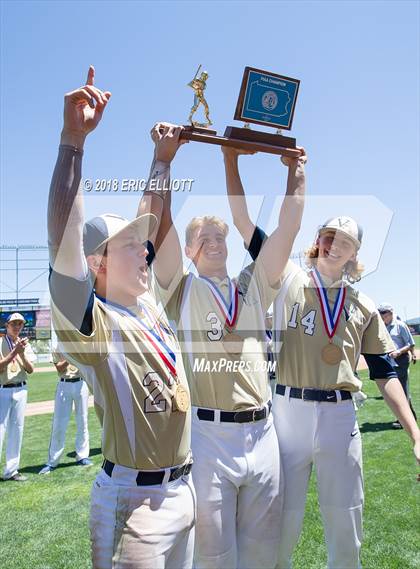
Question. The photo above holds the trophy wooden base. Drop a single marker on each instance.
(245, 138)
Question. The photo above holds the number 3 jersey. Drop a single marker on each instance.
(132, 385)
(300, 335)
(220, 378)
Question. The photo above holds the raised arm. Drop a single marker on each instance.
(277, 248)
(83, 109)
(157, 200)
(236, 194)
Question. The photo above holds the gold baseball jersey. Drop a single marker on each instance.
(300, 336)
(132, 387)
(219, 379)
(14, 372)
(71, 371)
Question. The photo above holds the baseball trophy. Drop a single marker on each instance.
(199, 85)
(265, 98)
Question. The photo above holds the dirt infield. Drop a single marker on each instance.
(44, 407)
(362, 364)
(44, 368)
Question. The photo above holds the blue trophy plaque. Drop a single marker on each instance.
(267, 98)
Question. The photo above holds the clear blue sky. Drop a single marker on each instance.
(357, 112)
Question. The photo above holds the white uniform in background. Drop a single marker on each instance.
(70, 389)
(13, 397)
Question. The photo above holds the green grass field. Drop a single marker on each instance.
(41, 386)
(44, 521)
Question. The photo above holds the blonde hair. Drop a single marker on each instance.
(198, 222)
(352, 270)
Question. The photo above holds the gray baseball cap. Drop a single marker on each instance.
(98, 231)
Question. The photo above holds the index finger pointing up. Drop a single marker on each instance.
(91, 75)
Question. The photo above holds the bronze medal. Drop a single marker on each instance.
(181, 399)
(233, 343)
(331, 354)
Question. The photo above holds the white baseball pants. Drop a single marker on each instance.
(326, 436)
(12, 418)
(239, 494)
(142, 527)
(67, 393)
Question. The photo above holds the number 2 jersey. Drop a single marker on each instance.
(132, 387)
(219, 379)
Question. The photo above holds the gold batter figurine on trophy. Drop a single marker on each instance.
(199, 85)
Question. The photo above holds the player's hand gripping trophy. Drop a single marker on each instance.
(199, 85)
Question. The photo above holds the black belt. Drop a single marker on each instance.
(239, 417)
(309, 394)
(14, 384)
(71, 379)
(149, 478)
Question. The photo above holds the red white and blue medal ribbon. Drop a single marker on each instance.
(230, 309)
(330, 317)
(9, 342)
(155, 324)
(11, 346)
(159, 344)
